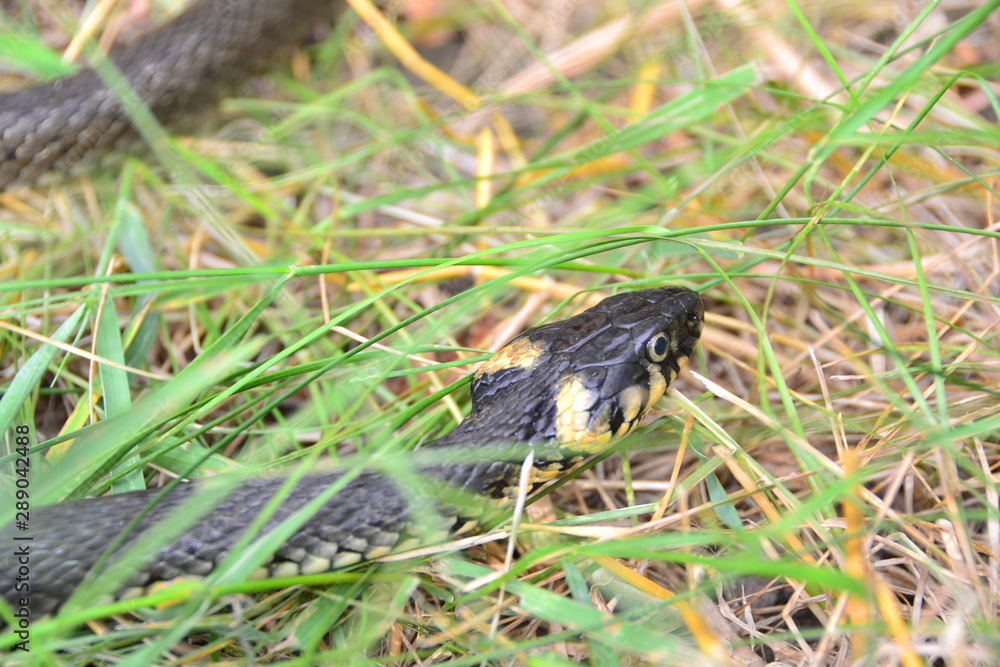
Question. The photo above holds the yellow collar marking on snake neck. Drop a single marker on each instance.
(522, 353)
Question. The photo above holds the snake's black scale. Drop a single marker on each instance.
(563, 390)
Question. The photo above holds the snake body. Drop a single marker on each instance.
(174, 71)
(560, 392)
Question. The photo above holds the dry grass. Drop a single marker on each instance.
(827, 463)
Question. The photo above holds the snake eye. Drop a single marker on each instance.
(656, 348)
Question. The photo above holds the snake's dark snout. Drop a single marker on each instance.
(687, 321)
(676, 313)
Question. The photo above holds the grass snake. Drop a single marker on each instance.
(563, 390)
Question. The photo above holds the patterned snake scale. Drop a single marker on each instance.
(174, 71)
(563, 391)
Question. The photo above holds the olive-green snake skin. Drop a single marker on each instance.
(174, 71)
(561, 391)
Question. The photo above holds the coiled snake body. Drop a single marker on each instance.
(561, 391)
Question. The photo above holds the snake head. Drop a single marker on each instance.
(583, 380)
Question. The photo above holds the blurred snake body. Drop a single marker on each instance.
(561, 391)
(174, 71)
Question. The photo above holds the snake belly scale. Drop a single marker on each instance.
(562, 390)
